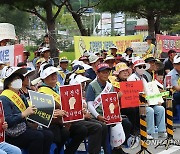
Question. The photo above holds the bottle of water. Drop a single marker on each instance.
(102, 151)
(156, 133)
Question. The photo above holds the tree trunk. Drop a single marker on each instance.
(151, 27)
(157, 25)
(52, 33)
(80, 25)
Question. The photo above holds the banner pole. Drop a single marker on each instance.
(143, 124)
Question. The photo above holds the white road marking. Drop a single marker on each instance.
(170, 150)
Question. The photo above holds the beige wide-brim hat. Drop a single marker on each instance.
(121, 67)
(93, 58)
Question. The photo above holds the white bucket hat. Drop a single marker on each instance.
(48, 71)
(8, 71)
(109, 57)
(93, 58)
(7, 31)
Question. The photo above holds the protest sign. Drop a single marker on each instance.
(45, 108)
(2, 134)
(130, 93)
(12, 55)
(110, 107)
(139, 48)
(97, 43)
(167, 42)
(71, 102)
(168, 81)
(151, 89)
(7, 31)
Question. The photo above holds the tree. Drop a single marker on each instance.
(37, 7)
(77, 12)
(171, 24)
(152, 10)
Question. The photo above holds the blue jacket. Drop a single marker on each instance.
(11, 112)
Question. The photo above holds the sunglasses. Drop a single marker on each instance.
(142, 66)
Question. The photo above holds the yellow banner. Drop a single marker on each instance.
(97, 43)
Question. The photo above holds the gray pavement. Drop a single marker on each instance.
(161, 149)
(152, 143)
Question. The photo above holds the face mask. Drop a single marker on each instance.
(140, 71)
(16, 84)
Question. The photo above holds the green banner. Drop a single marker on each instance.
(166, 93)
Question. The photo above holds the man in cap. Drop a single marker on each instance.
(113, 50)
(103, 72)
(94, 61)
(175, 80)
(110, 60)
(45, 53)
(63, 63)
(95, 88)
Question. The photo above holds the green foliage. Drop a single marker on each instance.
(31, 49)
(171, 24)
(141, 7)
(176, 26)
(19, 19)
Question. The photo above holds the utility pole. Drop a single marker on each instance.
(112, 24)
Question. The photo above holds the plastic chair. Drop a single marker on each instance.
(54, 147)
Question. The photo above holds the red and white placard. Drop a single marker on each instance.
(71, 102)
(111, 108)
